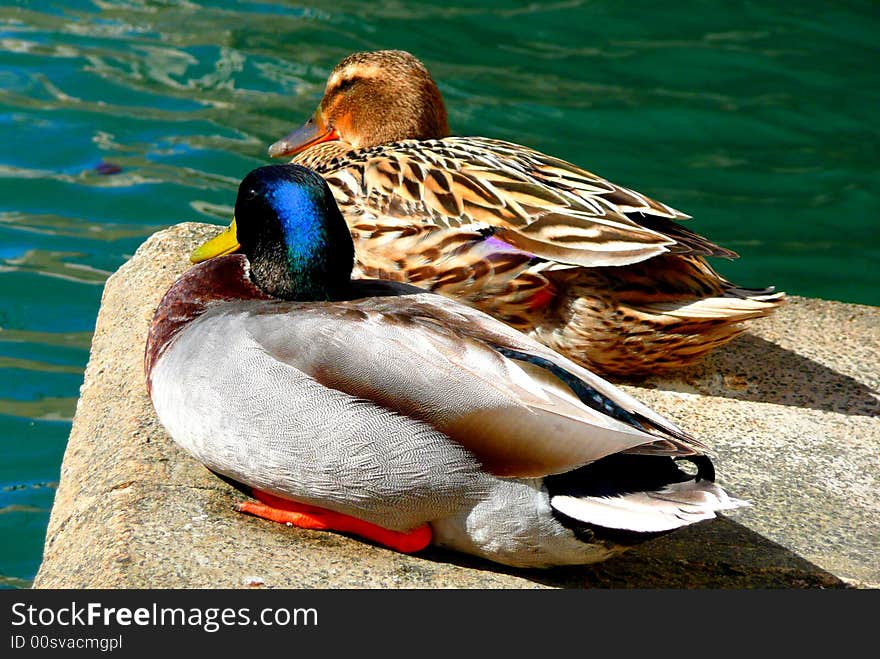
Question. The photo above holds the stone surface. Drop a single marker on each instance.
(790, 409)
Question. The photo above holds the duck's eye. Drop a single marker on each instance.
(346, 84)
(250, 193)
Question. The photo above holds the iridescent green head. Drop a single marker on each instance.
(290, 229)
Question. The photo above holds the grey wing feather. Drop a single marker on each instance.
(260, 421)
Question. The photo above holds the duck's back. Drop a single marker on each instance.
(554, 209)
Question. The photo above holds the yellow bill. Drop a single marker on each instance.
(225, 243)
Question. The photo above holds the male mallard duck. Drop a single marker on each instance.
(598, 272)
(404, 417)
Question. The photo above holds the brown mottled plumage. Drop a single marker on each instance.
(599, 272)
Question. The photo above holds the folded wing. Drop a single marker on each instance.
(534, 202)
(521, 408)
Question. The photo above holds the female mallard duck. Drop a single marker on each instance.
(598, 272)
(382, 410)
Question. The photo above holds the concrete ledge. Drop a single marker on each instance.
(790, 409)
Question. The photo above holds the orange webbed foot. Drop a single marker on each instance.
(306, 516)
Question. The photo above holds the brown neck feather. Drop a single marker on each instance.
(221, 279)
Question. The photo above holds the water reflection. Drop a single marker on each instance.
(44, 409)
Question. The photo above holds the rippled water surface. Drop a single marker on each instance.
(120, 118)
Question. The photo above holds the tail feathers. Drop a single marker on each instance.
(769, 294)
(730, 308)
(671, 507)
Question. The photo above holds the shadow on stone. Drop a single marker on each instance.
(753, 369)
(716, 554)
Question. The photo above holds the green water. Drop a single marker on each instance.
(759, 119)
